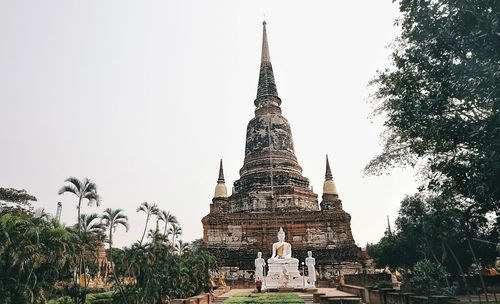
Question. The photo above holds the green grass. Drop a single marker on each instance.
(93, 298)
(274, 298)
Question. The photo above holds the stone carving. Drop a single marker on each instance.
(316, 235)
(329, 234)
(259, 267)
(311, 270)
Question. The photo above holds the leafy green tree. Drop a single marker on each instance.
(198, 245)
(15, 196)
(160, 273)
(35, 253)
(427, 278)
(435, 228)
(441, 99)
(395, 250)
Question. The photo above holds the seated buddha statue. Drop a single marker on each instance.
(282, 251)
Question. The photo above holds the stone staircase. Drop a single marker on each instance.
(221, 299)
(308, 298)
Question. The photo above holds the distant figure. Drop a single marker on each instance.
(341, 280)
(258, 285)
(221, 281)
(310, 263)
(455, 289)
(259, 267)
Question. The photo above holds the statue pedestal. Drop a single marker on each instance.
(284, 274)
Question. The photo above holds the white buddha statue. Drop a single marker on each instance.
(282, 251)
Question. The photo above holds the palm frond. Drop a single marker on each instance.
(68, 188)
(154, 209)
(75, 182)
(92, 198)
(124, 223)
(89, 185)
(144, 207)
(91, 223)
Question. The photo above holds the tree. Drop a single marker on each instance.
(162, 275)
(198, 245)
(182, 248)
(427, 279)
(112, 218)
(440, 100)
(149, 209)
(168, 219)
(35, 253)
(15, 196)
(176, 231)
(436, 228)
(83, 189)
(91, 223)
(395, 250)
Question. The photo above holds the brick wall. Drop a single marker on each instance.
(366, 280)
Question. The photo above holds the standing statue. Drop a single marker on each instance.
(311, 262)
(259, 267)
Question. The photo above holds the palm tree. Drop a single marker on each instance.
(149, 209)
(111, 219)
(175, 230)
(182, 248)
(91, 223)
(83, 189)
(168, 219)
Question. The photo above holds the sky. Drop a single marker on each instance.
(145, 97)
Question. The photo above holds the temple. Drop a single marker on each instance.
(272, 193)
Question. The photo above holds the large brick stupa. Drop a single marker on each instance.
(272, 193)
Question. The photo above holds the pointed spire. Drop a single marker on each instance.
(265, 45)
(328, 173)
(267, 94)
(221, 173)
(220, 188)
(329, 186)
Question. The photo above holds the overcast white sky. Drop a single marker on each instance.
(144, 97)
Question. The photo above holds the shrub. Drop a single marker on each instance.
(428, 278)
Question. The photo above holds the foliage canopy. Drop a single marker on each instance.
(441, 99)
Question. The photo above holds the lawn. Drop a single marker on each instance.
(288, 298)
(93, 298)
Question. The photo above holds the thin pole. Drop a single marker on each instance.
(479, 271)
(271, 155)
